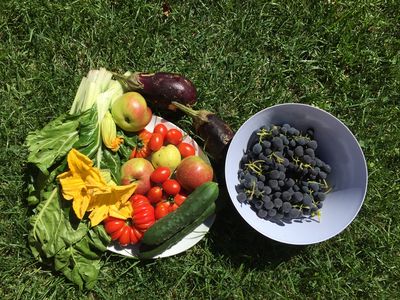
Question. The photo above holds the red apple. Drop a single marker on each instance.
(130, 112)
(137, 170)
(193, 172)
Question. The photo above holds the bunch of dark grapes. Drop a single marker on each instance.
(280, 175)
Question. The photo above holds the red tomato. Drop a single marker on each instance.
(162, 209)
(156, 141)
(174, 136)
(186, 149)
(125, 237)
(119, 230)
(160, 174)
(179, 198)
(173, 206)
(161, 129)
(155, 194)
(142, 149)
(143, 212)
(171, 186)
(113, 224)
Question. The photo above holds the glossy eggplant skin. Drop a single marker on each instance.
(212, 129)
(216, 134)
(161, 88)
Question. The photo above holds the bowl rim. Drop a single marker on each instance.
(362, 156)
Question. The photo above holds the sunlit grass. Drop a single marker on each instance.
(342, 56)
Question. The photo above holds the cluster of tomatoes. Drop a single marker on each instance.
(153, 141)
(165, 194)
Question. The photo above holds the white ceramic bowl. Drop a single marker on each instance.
(337, 146)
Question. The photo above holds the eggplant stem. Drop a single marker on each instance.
(129, 82)
(186, 109)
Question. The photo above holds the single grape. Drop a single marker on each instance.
(307, 201)
(320, 196)
(312, 144)
(297, 197)
(277, 143)
(306, 158)
(299, 151)
(296, 188)
(319, 162)
(268, 204)
(277, 194)
(281, 183)
(261, 177)
(286, 206)
(260, 185)
(278, 202)
(322, 175)
(241, 197)
(289, 182)
(310, 152)
(314, 186)
(262, 213)
(261, 156)
(286, 196)
(272, 212)
(286, 162)
(281, 168)
(258, 204)
(326, 168)
(275, 130)
(266, 198)
(293, 131)
(273, 183)
(282, 175)
(285, 140)
(301, 141)
(294, 213)
(266, 144)
(267, 190)
(274, 174)
(257, 148)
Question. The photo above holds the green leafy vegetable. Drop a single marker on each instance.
(57, 233)
(52, 142)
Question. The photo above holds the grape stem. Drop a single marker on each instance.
(255, 166)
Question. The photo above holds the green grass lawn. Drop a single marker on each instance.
(342, 56)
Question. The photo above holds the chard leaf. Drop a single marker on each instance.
(112, 162)
(52, 142)
(56, 234)
(89, 135)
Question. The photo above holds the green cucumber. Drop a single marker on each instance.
(195, 204)
(148, 252)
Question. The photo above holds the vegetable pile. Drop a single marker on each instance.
(97, 175)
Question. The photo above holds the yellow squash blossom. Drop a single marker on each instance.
(86, 187)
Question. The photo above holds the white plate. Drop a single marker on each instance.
(192, 238)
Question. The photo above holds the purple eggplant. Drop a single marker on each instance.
(160, 88)
(214, 131)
